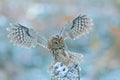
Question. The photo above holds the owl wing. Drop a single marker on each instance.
(78, 27)
(25, 37)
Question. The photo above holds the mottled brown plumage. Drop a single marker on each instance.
(60, 53)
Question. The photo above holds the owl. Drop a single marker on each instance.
(29, 38)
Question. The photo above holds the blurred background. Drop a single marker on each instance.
(101, 48)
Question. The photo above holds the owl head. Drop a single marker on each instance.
(56, 43)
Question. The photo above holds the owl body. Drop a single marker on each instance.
(60, 52)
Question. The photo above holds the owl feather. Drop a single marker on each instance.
(78, 27)
(25, 37)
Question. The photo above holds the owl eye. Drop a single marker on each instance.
(56, 42)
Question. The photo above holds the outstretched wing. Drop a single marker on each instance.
(25, 37)
(78, 27)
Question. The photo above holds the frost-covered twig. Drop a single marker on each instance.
(61, 72)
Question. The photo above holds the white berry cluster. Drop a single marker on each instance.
(61, 72)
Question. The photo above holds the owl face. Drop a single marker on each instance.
(56, 43)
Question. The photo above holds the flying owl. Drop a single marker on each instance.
(78, 27)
